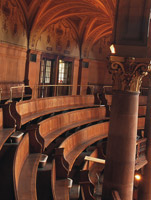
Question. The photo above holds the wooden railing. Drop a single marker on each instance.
(140, 160)
(107, 89)
(22, 91)
(140, 148)
(54, 90)
(42, 91)
(14, 92)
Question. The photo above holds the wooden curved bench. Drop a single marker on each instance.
(25, 171)
(86, 185)
(72, 147)
(29, 110)
(88, 165)
(59, 187)
(88, 172)
(6, 124)
(77, 142)
(141, 123)
(88, 177)
(80, 140)
(53, 127)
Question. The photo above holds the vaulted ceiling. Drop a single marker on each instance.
(89, 19)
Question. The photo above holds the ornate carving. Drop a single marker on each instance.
(127, 73)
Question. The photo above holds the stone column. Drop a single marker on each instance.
(120, 161)
(145, 185)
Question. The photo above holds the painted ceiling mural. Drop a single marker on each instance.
(101, 49)
(58, 38)
(80, 23)
(12, 24)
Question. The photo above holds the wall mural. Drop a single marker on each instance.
(12, 25)
(100, 50)
(58, 38)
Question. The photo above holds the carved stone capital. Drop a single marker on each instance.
(127, 73)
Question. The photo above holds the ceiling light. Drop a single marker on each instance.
(112, 49)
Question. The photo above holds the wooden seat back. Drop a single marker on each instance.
(25, 171)
(70, 119)
(60, 188)
(73, 146)
(7, 124)
(86, 185)
(142, 100)
(31, 106)
(141, 123)
(20, 157)
(78, 141)
(34, 108)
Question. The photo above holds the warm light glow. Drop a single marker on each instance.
(112, 48)
(138, 177)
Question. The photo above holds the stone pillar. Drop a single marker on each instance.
(120, 161)
(145, 185)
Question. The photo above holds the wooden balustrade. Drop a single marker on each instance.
(140, 153)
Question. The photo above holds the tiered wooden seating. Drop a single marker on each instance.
(86, 185)
(141, 123)
(32, 109)
(91, 168)
(49, 129)
(142, 100)
(89, 162)
(25, 171)
(60, 187)
(6, 124)
(53, 127)
(73, 146)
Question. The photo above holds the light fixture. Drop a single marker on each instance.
(112, 49)
(138, 177)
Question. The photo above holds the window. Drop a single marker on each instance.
(46, 70)
(64, 76)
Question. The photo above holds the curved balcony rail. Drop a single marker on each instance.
(42, 91)
(19, 90)
(59, 90)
